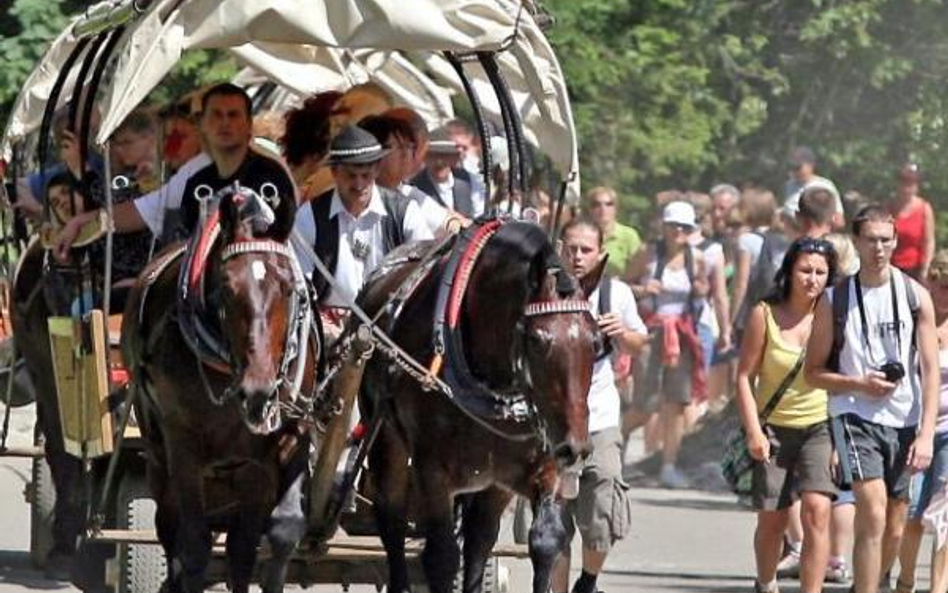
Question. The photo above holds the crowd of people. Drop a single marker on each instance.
(830, 342)
(736, 292)
(727, 292)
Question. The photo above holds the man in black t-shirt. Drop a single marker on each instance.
(226, 123)
(258, 172)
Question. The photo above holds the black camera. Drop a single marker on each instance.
(893, 371)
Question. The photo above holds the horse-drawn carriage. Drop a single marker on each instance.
(113, 56)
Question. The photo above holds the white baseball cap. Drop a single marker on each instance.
(679, 213)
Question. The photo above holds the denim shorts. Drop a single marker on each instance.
(925, 484)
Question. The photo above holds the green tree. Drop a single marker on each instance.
(26, 29)
(672, 93)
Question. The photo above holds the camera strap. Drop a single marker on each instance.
(865, 323)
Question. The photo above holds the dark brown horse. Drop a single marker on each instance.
(525, 332)
(222, 453)
(34, 301)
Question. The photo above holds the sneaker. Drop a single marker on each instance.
(759, 589)
(838, 572)
(789, 566)
(671, 477)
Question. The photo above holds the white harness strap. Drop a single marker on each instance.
(554, 307)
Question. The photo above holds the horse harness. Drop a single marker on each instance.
(470, 396)
(200, 328)
(467, 393)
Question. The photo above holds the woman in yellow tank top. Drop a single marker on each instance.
(793, 448)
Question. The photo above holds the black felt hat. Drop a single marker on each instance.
(355, 146)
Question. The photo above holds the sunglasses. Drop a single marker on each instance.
(680, 226)
(820, 246)
(597, 204)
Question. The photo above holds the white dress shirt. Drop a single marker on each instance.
(446, 193)
(362, 233)
(434, 213)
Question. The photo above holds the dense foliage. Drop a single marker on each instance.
(686, 93)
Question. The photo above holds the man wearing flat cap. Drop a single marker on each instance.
(353, 226)
(445, 180)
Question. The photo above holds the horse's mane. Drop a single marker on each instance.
(528, 242)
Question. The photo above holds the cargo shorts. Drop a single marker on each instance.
(602, 510)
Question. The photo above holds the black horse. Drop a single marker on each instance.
(526, 331)
(223, 453)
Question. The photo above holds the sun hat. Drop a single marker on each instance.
(441, 142)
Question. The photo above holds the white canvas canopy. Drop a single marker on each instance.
(286, 40)
(155, 46)
(308, 70)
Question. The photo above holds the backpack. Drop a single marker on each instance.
(689, 270)
(841, 307)
(761, 280)
(605, 305)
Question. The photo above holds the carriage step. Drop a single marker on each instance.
(339, 547)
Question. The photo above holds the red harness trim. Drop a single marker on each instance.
(208, 235)
(463, 274)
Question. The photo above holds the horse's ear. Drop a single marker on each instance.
(285, 217)
(229, 212)
(548, 286)
(589, 283)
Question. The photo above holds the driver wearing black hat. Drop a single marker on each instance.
(354, 225)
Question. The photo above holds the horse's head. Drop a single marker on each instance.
(259, 300)
(561, 340)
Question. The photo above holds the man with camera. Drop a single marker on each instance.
(874, 348)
